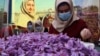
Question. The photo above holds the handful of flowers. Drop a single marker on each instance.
(44, 44)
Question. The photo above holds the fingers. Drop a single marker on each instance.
(85, 34)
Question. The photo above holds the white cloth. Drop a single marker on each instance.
(23, 19)
(88, 45)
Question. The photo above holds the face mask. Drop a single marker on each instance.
(65, 16)
(30, 27)
(39, 28)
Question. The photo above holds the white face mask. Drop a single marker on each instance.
(65, 16)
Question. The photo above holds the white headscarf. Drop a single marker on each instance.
(23, 9)
(61, 25)
(40, 24)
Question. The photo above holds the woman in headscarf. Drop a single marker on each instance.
(28, 13)
(38, 26)
(67, 22)
(30, 26)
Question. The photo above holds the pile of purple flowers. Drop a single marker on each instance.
(44, 44)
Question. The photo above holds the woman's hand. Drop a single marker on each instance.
(85, 34)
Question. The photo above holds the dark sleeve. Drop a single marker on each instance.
(84, 25)
(52, 30)
(45, 30)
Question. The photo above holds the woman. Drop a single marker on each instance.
(28, 13)
(30, 26)
(67, 22)
(38, 26)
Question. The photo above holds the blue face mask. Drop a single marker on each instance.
(30, 27)
(39, 28)
(65, 16)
